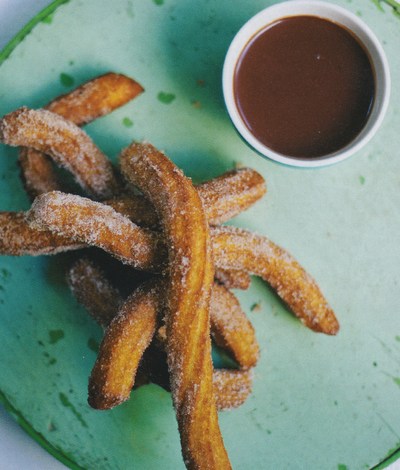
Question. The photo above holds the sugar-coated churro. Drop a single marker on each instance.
(141, 212)
(223, 197)
(94, 291)
(37, 172)
(170, 297)
(240, 249)
(103, 301)
(89, 101)
(231, 387)
(233, 278)
(17, 238)
(231, 329)
(233, 249)
(97, 224)
(190, 278)
(96, 98)
(137, 208)
(68, 145)
(127, 337)
(229, 194)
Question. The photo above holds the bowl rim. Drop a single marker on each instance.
(339, 15)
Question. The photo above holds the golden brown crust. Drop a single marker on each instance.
(240, 249)
(89, 101)
(231, 387)
(126, 338)
(233, 249)
(230, 194)
(233, 278)
(223, 197)
(96, 98)
(231, 329)
(67, 144)
(136, 207)
(17, 238)
(97, 224)
(122, 348)
(37, 172)
(181, 252)
(93, 290)
(187, 304)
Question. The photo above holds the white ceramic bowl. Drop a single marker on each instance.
(333, 13)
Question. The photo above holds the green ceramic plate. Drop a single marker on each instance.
(318, 402)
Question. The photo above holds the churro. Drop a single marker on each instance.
(99, 225)
(89, 101)
(68, 145)
(233, 278)
(138, 209)
(233, 249)
(189, 283)
(94, 291)
(17, 238)
(127, 337)
(223, 197)
(37, 172)
(96, 98)
(103, 301)
(231, 386)
(159, 329)
(231, 329)
(240, 249)
(230, 194)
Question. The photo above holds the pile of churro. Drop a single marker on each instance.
(151, 261)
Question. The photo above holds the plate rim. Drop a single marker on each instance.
(19, 418)
(36, 435)
(6, 51)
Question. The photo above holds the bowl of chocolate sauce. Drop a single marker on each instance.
(306, 83)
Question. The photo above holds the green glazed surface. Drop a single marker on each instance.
(318, 402)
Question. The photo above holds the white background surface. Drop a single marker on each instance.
(18, 451)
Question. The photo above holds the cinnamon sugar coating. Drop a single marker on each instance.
(68, 145)
(103, 301)
(231, 329)
(17, 238)
(89, 101)
(127, 337)
(189, 281)
(160, 331)
(223, 197)
(233, 248)
(240, 249)
(96, 224)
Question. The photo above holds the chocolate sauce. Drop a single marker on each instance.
(304, 86)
